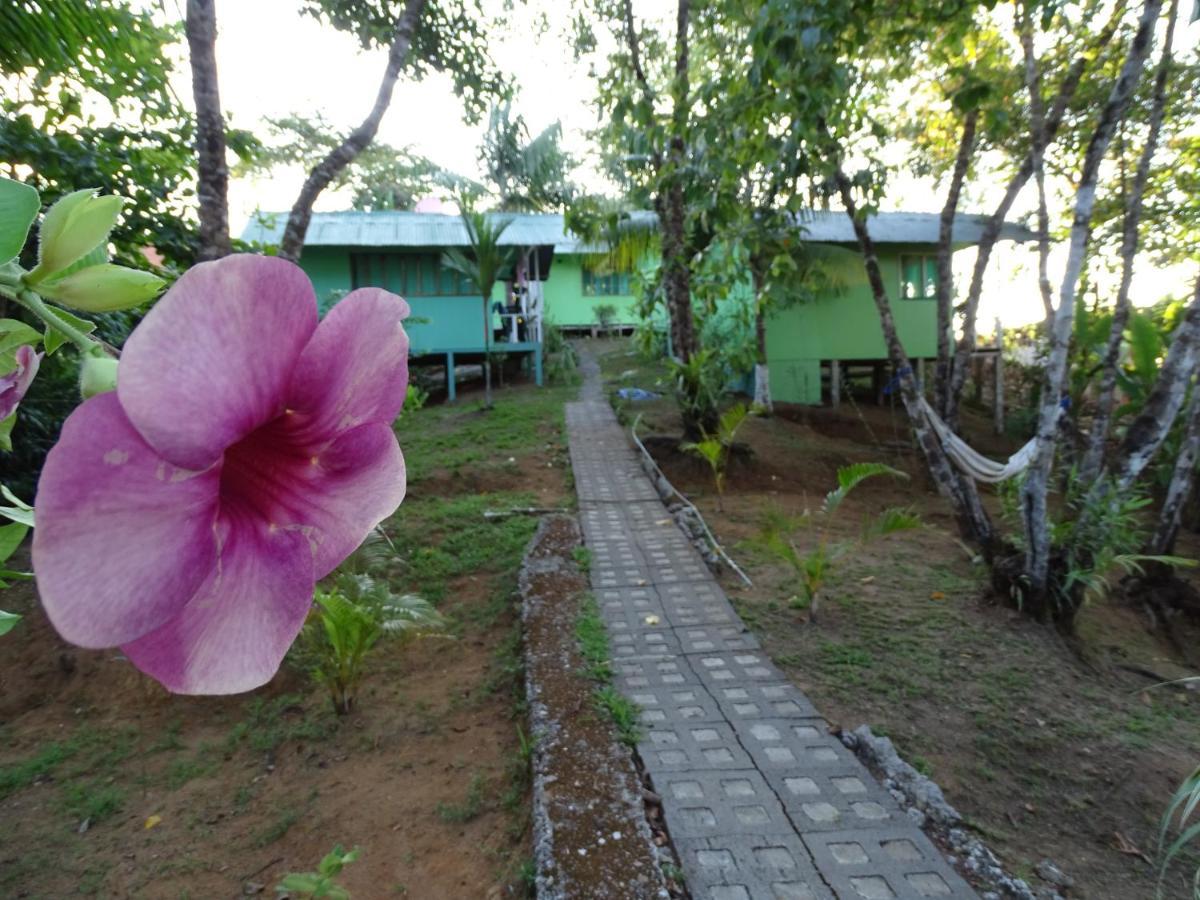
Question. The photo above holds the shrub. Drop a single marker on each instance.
(606, 314)
(812, 568)
(714, 449)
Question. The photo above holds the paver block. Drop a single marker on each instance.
(691, 746)
(683, 704)
(715, 638)
(736, 668)
(630, 608)
(707, 804)
(898, 863)
(696, 603)
(643, 643)
(675, 565)
(633, 674)
(805, 745)
(780, 700)
(834, 799)
(616, 562)
(749, 867)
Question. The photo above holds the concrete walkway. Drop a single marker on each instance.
(760, 800)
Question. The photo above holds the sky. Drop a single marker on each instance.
(273, 61)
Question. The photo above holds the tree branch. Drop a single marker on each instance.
(212, 187)
(1094, 456)
(358, 140)
(991, 230)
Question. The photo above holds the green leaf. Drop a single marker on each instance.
(849, 477)
(10, 539)
(19, 576)
(73, 227)
(103, 288)
(14, 334)
(6, 428)
(19, 205)
(55, 338)
(8, 621)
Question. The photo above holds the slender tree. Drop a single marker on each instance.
(212, 187)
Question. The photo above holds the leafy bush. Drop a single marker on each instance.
(1184, 804)
(558, 354)
(812, 568)
(606, 314)
(320, 884)
(346, 622)
(714, 449)
(415, 397)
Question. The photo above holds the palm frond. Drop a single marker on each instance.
(849, 477)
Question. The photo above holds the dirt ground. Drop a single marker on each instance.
(111, 787)
(1049, 747)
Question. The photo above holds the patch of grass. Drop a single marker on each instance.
(583, 558)
(623, 712)
(181, 771)
(270, 723)
(277, 827)
(91, 801)
(592, 635)
(470, 808)
(89, 752)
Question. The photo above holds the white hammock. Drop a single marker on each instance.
(972, 463)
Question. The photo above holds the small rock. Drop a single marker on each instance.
(1049, 872)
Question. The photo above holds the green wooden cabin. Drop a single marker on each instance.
(401, 251)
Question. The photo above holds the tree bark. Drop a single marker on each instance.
(991, 231)
(1162, 542)
(1036, 485)
(972, 518)
(762, 374)
(1093, 459)
(212, 181)
(1147, 432)
(1038, 142)
(945, 251)
(358, 140)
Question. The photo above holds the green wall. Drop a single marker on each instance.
(566, 304)
(844, 327)
(436, 323)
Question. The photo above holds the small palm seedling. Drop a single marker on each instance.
(1183, 806)
(812, 567)
(320, 884)
(715, 449)
(347, 621)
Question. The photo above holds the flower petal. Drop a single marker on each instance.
(234, 633)
(210, 362)
(14, 385)
(355, 368)
(123, 538)
(335, 491)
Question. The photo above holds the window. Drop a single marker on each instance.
(918, 277)
(410, 275)
(605, 284)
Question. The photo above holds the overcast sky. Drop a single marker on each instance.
(273, 61)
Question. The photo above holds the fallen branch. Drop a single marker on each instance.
(522, 511)
(720, 551)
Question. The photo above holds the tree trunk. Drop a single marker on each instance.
(212, 172)
(1183, 476)
(487, 354)
(1036, 485)
(972, 518)
(991, 231)
(762, 374)
(945, 250)
(359, 139)
(1093, 459)
(1147, 432)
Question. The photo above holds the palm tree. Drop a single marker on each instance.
(482, 265)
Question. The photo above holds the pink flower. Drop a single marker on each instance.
(14, 385)
(246, 452)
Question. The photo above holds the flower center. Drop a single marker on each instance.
(265, 473)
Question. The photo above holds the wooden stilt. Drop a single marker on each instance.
(835, 383)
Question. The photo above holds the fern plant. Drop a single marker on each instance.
(715, 449)
(812, 567)
(347, 621)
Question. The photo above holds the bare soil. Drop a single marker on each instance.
(111, 787)
(1052, 748)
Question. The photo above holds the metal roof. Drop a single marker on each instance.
(412, 229)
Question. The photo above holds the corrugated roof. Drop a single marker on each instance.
(411, 229)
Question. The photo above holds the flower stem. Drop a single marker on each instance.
(36, 305)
